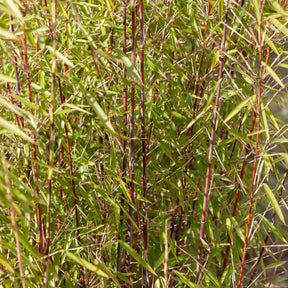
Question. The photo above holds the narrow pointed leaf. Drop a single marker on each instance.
(274, 202)
(5, 78)
(239, 107)
(99, 111)
(14, 129)
(137, 257)
(130, 68)
(7, 35)
(273, 74)
(61, 57)
(86, 264)
(13, 9)
(6, 264)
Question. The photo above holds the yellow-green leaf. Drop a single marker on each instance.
(184, 279)
(5, 78)
(214, 60)
(61, 8)
(99, 111)
(61, 57)
(130, 68)
(6, 264)
(6, 34)
(14, 129)
(273, 74)
(240, 106)
(137, 257)
(13, 9)
(274, 202)
(86, 264)
(257, 11)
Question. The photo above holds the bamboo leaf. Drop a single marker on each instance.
(278, 8)
(5, 34)
(28, 246)
(99, 111)
(5, 78)
(86, 264)
(184, 280)
(6, 264)
(154, 65)
(273, 74)
(274, 202)
(279, 25)
(130, 68)
(61, 8)
(137, 257)
(15, 130)
(13, 9)
(239, 107)
(257, 11)
(214, 60)
(61, 57)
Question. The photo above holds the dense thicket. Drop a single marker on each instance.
(143, 143)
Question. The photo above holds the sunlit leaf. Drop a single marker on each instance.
(99, 111)
(86, 264)
(130, 68)
(137, 257)
(273, 74)
(274, 202)
(61, 57)
(14, 129)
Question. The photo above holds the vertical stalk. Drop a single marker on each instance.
(132, 128)
(269, 230)
(208, 173)
(124, 167)
(17, 79)
(143, 136)
(38, 207)
(256, 151)
(51, 141)
(70, 157)
(13, 221)
(242, 171)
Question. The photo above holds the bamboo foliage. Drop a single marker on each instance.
(143, 143)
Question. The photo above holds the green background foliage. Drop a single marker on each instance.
(182, 54)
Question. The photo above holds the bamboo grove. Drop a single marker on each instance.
(143, 143)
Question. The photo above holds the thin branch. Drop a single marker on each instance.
(208, 173)
(256, 154)
(13, 221)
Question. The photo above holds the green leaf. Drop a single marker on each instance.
(137, 257)
(14, 129)
(61, 8)
(130, 68)
(240, 106)
(61, 57)
(5, 78)
(6, 264)
(279, 9)
(5, 34)
(86, 264)
(26, 102)
(273, 74)
(214, 60)
(274, 202)
(28, 246)
(154, 65)
(257, 11)
(99, 111)
(279, 25)
(13, 9)
(183, 279)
